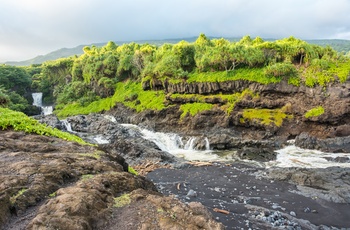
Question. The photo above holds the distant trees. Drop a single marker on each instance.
(15, 85)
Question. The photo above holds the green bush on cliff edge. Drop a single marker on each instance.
(21, 122)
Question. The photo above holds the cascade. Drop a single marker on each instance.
(190, 144)
(207, 144)
(37, 101)
(174, 144)
(67, 125)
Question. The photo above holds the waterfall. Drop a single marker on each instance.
(190, 144)
(173, 144)
(207, 144)
(38, 101)
(67, 125)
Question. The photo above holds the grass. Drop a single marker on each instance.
(87, 177)
(18, 194)
(313, 75)
(314, 112)
(122, 201)
(133, 96)
(21, 122)
(250, 74)
(265, 116)
(132, 170)
(96, 154)
(194, 108)
(129, 93)
(200, 101)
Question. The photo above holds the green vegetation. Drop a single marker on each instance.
(132, 170)
(54, 194)
(103, 76)
(19, 193)
(314, 112)
(201, 102)
(194, 108)
(101, 72)
(129, 93)
(249, 74)
(87, 177)
(15, 84)
(21, 122)
(122, 201)
(96, 154)
(266, 116)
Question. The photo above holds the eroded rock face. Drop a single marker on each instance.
(48, 183)
(296, 101)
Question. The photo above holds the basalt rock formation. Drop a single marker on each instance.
(295, 101)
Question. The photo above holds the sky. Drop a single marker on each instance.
(29, 28)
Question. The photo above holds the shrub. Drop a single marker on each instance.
(281, 70)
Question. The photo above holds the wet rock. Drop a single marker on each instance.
(127, 142)
(258, 154)
(50, 120)
(337, 144)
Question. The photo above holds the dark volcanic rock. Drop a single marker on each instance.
(50, 120)
(127, 142)
(337, 144)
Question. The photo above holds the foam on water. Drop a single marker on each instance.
(292, 156)
(101, 140)
(174, 144)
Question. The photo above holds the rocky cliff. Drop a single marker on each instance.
(292, 101)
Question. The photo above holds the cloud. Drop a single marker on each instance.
(29, 28)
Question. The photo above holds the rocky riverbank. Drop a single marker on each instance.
(48, 183)
(237, 195)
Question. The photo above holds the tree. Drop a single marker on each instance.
(4, 98)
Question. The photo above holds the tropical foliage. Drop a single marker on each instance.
(15, 87)
(18, 121)
(104, 76)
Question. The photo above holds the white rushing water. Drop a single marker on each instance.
(292, 156)
(175, 145)
(101, 140)
(38, 101)
(67, 125)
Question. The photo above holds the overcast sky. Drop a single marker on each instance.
(35, 27)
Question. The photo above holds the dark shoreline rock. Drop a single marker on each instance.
(333, 145)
